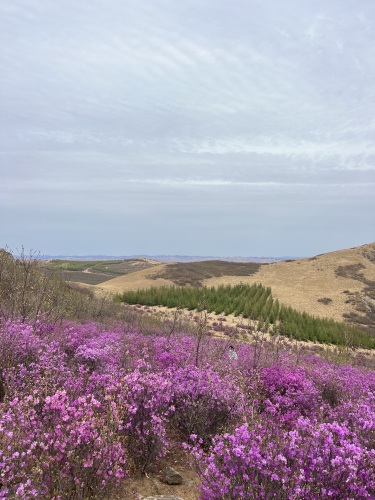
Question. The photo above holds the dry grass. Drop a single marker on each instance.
(139, 279)
(304, 282)
(301, 283)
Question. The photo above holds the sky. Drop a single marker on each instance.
(190, 127)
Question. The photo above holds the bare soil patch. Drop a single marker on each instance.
(152, 483)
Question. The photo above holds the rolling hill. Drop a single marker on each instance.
(338, 285)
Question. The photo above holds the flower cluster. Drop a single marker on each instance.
(82, 407)
(312, 461)
(52, 445)
(288, 393)
(147, 405)
(205, 403)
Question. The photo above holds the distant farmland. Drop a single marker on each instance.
(94, 272)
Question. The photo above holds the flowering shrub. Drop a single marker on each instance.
(204, 403)
(288, 393)
(84, 406)
(147, 403)
(312, 461)
(91, 346)
(360, 418)
(18, 344)
(57, 445)
(174, 353)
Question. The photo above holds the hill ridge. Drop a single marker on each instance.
(338, 284)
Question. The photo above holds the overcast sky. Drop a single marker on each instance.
(195, 127)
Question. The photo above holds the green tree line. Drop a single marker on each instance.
(253, 302)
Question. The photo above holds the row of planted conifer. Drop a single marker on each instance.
(252, 302)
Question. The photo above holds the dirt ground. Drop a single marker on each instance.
(152, 483)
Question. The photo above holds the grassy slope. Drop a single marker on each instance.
(302, 283)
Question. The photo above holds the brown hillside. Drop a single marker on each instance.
(339, 285)
(145, 278)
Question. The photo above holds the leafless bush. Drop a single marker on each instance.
(28, 293)
(25, 292)
(332, 393)
(325, 300)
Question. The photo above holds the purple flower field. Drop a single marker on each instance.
(84, 408)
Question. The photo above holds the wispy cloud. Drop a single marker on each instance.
(287, 148)
(187, 106)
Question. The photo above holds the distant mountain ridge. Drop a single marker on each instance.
(169, 258)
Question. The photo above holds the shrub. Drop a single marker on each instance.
(288, 393)
(59, 446)
(205, 403)
(147, 404)
(325, 300)
(82, 405)
(312, 461)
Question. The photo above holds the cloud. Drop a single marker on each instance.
(187, 109)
